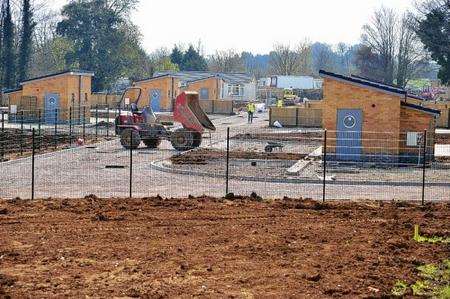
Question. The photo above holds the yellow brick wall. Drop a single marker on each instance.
(416, 121)
(169, 91)
(380, 114)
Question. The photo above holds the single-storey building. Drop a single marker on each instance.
(372, 121)
(53, 96)
(162, 89)
(159, 92)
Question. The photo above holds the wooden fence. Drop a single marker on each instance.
(296, 116)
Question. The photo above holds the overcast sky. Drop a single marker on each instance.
(252, 25)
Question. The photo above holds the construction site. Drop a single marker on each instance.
(192, 197)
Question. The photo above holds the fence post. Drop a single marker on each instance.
(84, 123)
(56, 128)
(2, 140)
(324, 164)
(33, 144)
(424, 161)
(39, 128)
(70, 125)
(107, 121)
(131, 164)
(39, 121)
(21, 133)
(96, 122)
(227, 172)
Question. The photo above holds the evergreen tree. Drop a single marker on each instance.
(8, 55)
(176, 56)
(434, 32)
(25, 40)
(193, 61)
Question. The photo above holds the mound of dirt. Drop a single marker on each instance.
(202, 156)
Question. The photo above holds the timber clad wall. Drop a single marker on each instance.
(168, 87)
(296, 116)
(74, 92)
(211, 84)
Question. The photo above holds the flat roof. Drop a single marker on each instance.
(66, 72)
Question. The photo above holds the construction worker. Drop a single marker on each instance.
(250, 110)
(279, 103)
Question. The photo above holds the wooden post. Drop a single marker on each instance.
(32, 162)
(227, 171)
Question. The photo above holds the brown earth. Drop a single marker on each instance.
(202, 156)
(304, 137)
(206, 247)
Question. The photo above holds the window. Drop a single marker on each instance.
(412, 139)
(236, 90)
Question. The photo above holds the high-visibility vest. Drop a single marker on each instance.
(251, 107)
(279, 103)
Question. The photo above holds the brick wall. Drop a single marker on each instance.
(380, 114)
(416, 121)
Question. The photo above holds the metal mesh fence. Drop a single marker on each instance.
(75, 160)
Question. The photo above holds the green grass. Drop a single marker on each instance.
(434, 282)
(432, 239)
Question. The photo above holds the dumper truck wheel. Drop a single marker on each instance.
(182, 140)
(152, 142)
(197, 139)
(130, 138)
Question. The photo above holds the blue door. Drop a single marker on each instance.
(155, 100)
(51, 108)
(204, 94)
(349, 131)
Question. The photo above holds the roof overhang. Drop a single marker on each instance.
(421, 109)
(153, 78)
(70, 73)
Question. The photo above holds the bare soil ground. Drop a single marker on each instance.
(304, 137)
(202, 156)
(242, 247)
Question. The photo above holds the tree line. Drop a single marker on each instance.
(97, 35)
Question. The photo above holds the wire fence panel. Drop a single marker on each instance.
(81, 157)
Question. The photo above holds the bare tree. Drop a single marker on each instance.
(380, 35)
(227, 61)
(411, 56)
(287, 61)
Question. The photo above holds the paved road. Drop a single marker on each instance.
(81, 171)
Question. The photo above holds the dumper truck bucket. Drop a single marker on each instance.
(188, 112)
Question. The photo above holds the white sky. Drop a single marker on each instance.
(252, 25)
